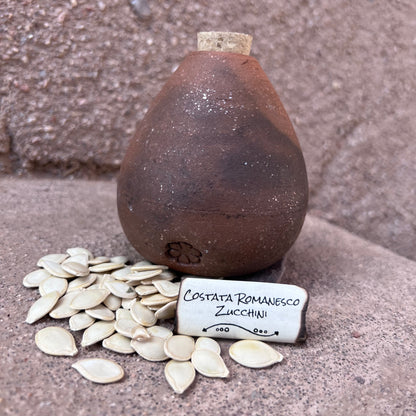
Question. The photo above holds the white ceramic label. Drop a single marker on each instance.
(242, 310)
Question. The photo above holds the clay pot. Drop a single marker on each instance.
(214, 181)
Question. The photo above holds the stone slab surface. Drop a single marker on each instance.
(359, 357)
(78, 74)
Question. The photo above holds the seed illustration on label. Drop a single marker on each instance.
(242, 310)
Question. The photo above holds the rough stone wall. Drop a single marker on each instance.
(76, 76)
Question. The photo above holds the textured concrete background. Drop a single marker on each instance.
(76, 75)
(359, 358)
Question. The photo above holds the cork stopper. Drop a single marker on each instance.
(225, 42)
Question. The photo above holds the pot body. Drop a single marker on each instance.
(214, 181)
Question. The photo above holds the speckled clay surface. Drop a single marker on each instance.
(361, 318)
(214, 182)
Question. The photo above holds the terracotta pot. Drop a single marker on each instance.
(214, 181)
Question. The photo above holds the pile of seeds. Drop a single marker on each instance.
(120, 305)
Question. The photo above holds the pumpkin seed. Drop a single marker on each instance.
(142, 315)
(126, 327)
(144, 290)
(140, 333)
(137, 277)
(209, 364)
(76, 269)
(112, 302)
(79, 250)
(254, 354)
(54, 340)
(63, 307)
(205, 343)
(144, 266)
(180, 375)
(179, 347)
(167, 311)
(118, 343)
(94, 286)
(97, 332)
(123, 314)
(35, 278)
(142, 263)
(99, 370)
(81, 282)
(155, 300)
(165, 275)
(53, 284)
(159, 331)
(79, 321)
(102, 278)
(150, 349)
(56, 258)
(167, 288)
(119, 259)
(89, 298)
(42, 307)
(120, 289)
(127, 303)
(55, 269)
(98, 260)
(121, 274)
(78, 258)
(105, 267)
(147, 282)
(106, 278)
(101, 312)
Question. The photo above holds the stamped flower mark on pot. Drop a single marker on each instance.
(183, 252)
